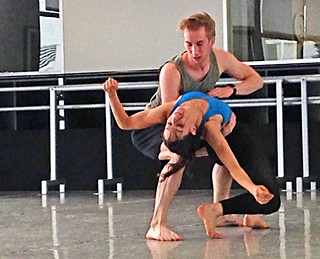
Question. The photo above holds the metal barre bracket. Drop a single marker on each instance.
(45, 184)
(102, 182)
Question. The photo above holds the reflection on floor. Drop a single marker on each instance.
(83, 225)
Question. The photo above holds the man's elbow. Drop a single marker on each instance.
(260, 82)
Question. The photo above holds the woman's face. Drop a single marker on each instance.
(181, 123)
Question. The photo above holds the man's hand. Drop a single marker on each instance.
(262, 194)
(227, 128)
(221, 91)
(110, 85)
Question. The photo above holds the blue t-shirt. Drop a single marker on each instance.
(216, 106)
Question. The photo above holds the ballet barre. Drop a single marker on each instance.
(279, 102)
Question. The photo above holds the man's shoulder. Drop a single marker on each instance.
(169, 67)
(221, 52)
(224, 58)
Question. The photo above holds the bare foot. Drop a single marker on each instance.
(161, 250)
(252, 241)
(162, 233)
(254, 221)
(209, 214)
(230, 221)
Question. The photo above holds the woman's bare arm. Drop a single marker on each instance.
(212, 134)
(228, 127)
(138, 120)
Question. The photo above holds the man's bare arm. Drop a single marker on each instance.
(169, 81)
(249, 80)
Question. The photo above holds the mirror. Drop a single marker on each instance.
(33, 41)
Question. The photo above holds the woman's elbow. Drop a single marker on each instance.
(124, 126)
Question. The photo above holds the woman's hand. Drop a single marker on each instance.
(110, 85)
(227, 128)
(262, 194)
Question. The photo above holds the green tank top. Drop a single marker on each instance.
(188, 84)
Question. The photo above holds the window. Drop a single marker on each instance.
(261, 30)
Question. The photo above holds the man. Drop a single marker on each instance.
(198, 68)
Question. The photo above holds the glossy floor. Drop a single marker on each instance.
(83, 225)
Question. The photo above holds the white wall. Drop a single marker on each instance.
(104, 35)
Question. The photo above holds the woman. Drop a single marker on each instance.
(195, 114)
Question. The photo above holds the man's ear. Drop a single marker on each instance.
(213, 40)
(194, 130)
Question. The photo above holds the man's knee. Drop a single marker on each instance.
(148, 140)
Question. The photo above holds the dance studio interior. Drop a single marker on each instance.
(72, 185)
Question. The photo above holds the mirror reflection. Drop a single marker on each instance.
(274, 30)
(34, 41)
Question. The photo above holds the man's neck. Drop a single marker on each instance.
(197, 70)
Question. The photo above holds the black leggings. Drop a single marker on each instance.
(247, 147)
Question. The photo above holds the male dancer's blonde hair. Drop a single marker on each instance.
(195, 21)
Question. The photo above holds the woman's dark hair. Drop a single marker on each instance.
(186, 148)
